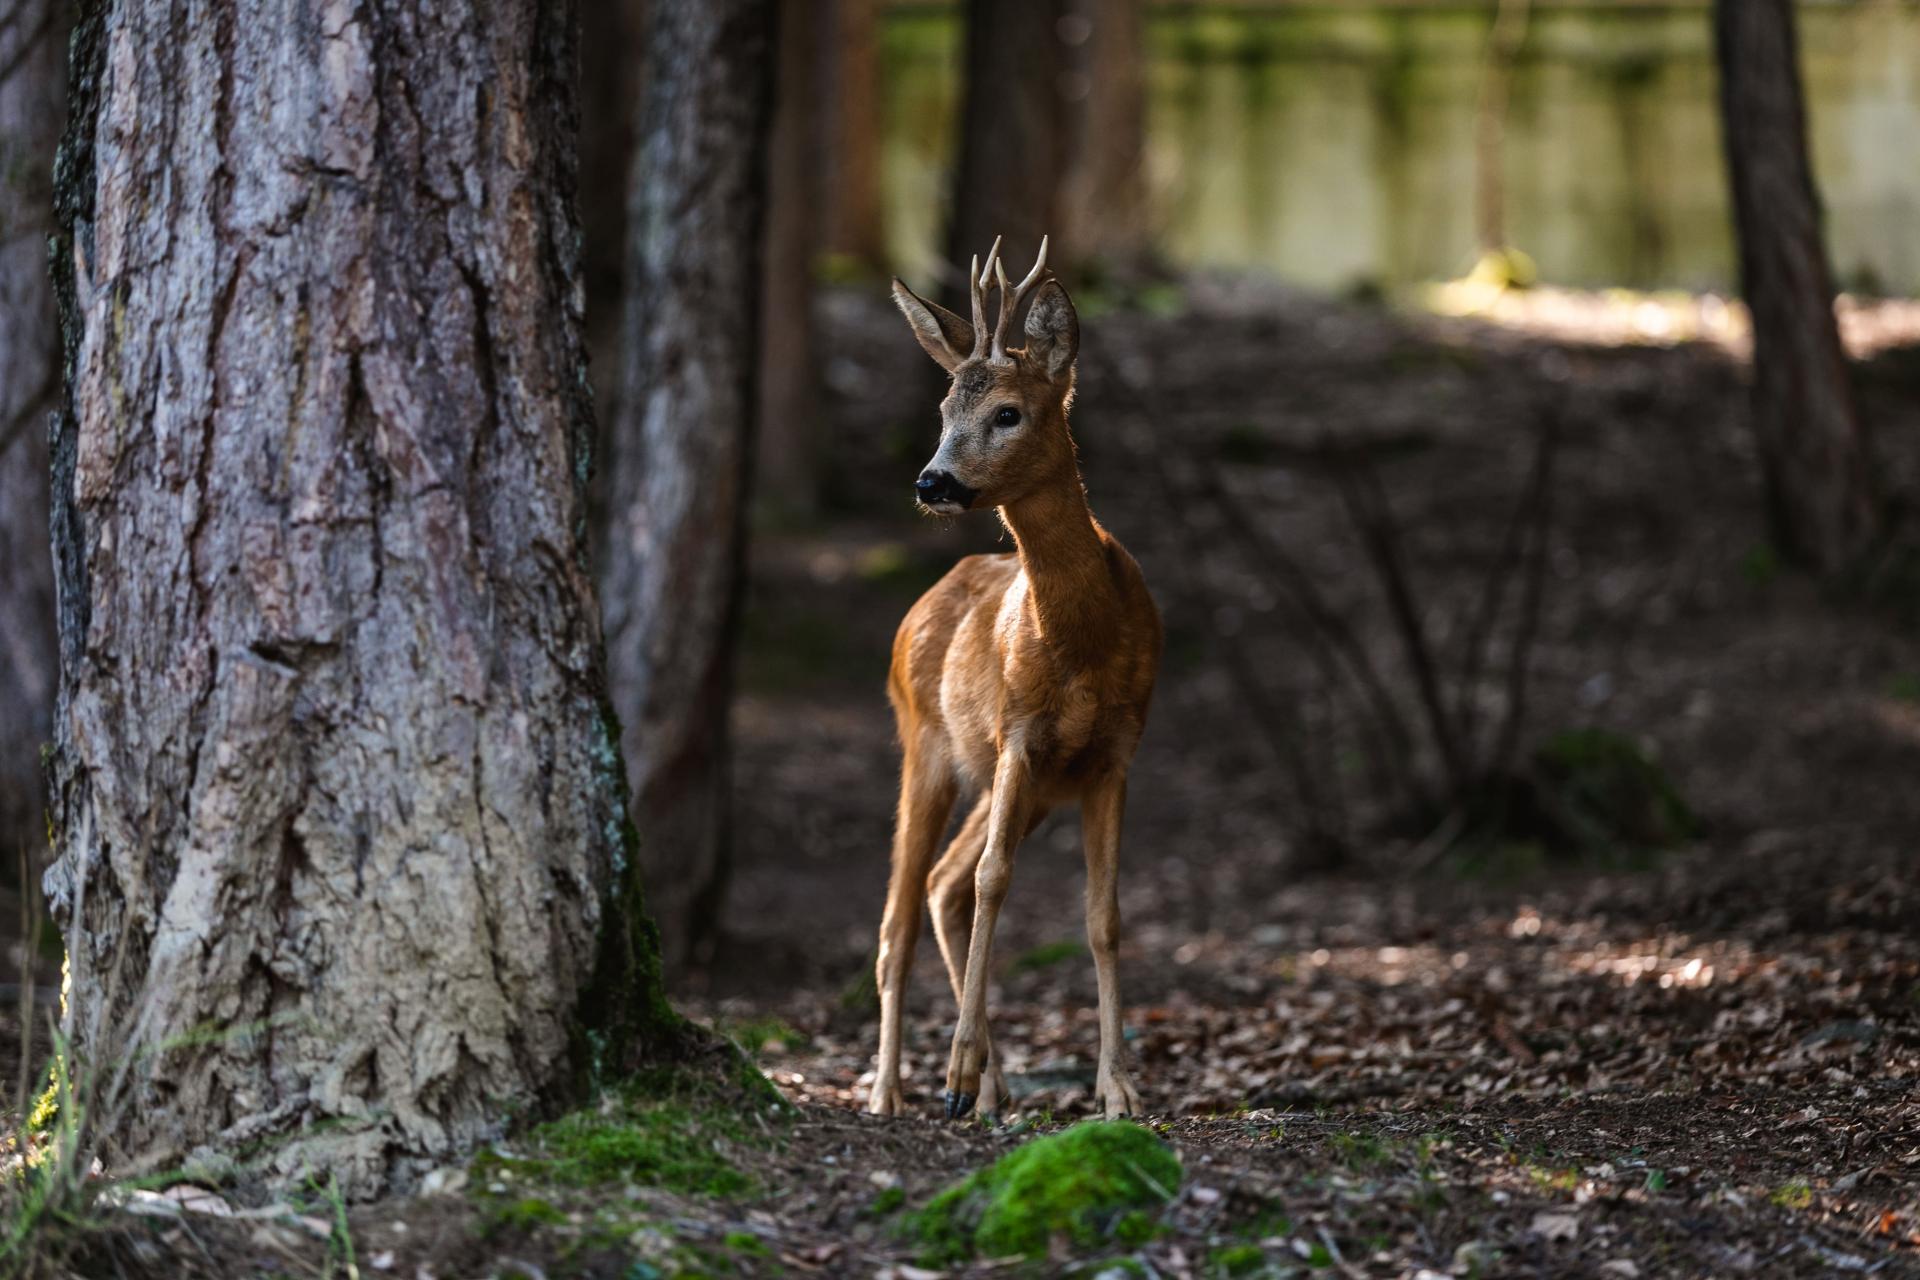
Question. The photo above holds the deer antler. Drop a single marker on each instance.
(977, 279)
(1010, 302)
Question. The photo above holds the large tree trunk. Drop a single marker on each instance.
(342, 864)
(680, 454)
(849, 51)
(30, 96)
(1813, 447)
(1012, 135)
(1106, 189)
(787, 462)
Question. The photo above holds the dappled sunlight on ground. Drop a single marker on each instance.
(1633, 317)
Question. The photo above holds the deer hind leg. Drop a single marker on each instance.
(951, 896)
(1009, 811)
(1100, 813)
(926, 801)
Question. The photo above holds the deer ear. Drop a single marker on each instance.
(947, 338)
(1053, 330)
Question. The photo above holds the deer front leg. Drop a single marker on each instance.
(1006, 823)
(950, 897)
(926, 801)
(1100, 813)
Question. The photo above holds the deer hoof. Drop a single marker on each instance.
(1116, 1098)
(958, 1104)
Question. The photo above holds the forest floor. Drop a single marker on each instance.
(1697, 1061)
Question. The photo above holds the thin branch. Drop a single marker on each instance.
(1367, 508)
(1478, 641)
(1519, 659)
(1330, 640)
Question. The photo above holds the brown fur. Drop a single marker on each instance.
(1022, 680)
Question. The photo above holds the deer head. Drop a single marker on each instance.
(1003, 424)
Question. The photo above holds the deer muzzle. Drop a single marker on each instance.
(939, 491)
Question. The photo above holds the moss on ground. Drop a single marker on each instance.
(1100, 1182)
(663, 1145)
(1238, 1259)
(524, 1214)
(669, 1128)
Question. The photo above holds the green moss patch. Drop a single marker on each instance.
(677, 1130)
(1098, 1183)
(662, 1145)
(1238, 1259)
(524, 1215)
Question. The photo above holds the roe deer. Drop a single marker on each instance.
(1020, 678)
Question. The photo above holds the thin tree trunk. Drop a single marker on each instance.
(30, 97)
(342, 864)
(1814, 450)
(1012, 135)
(787, 462)
(679, 467)
(1490, 124)
(1106, 190)
(849, 47)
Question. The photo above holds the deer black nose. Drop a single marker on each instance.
(939, 488)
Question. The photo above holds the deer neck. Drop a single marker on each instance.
(1070, 589)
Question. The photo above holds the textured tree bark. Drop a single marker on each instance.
(1106, 188)
(678, 475)
(342, 862)
(787, 457)
(1012, 135)
(849, 48)
(30, 97)
(1814, 450)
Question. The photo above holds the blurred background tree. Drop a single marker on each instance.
(801, 219)
(32, 79)
(680, 445)
(1013, 133)
(1821, 507)
(847, 155)
(1106, 221)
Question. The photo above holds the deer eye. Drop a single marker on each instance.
(1007, 417)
